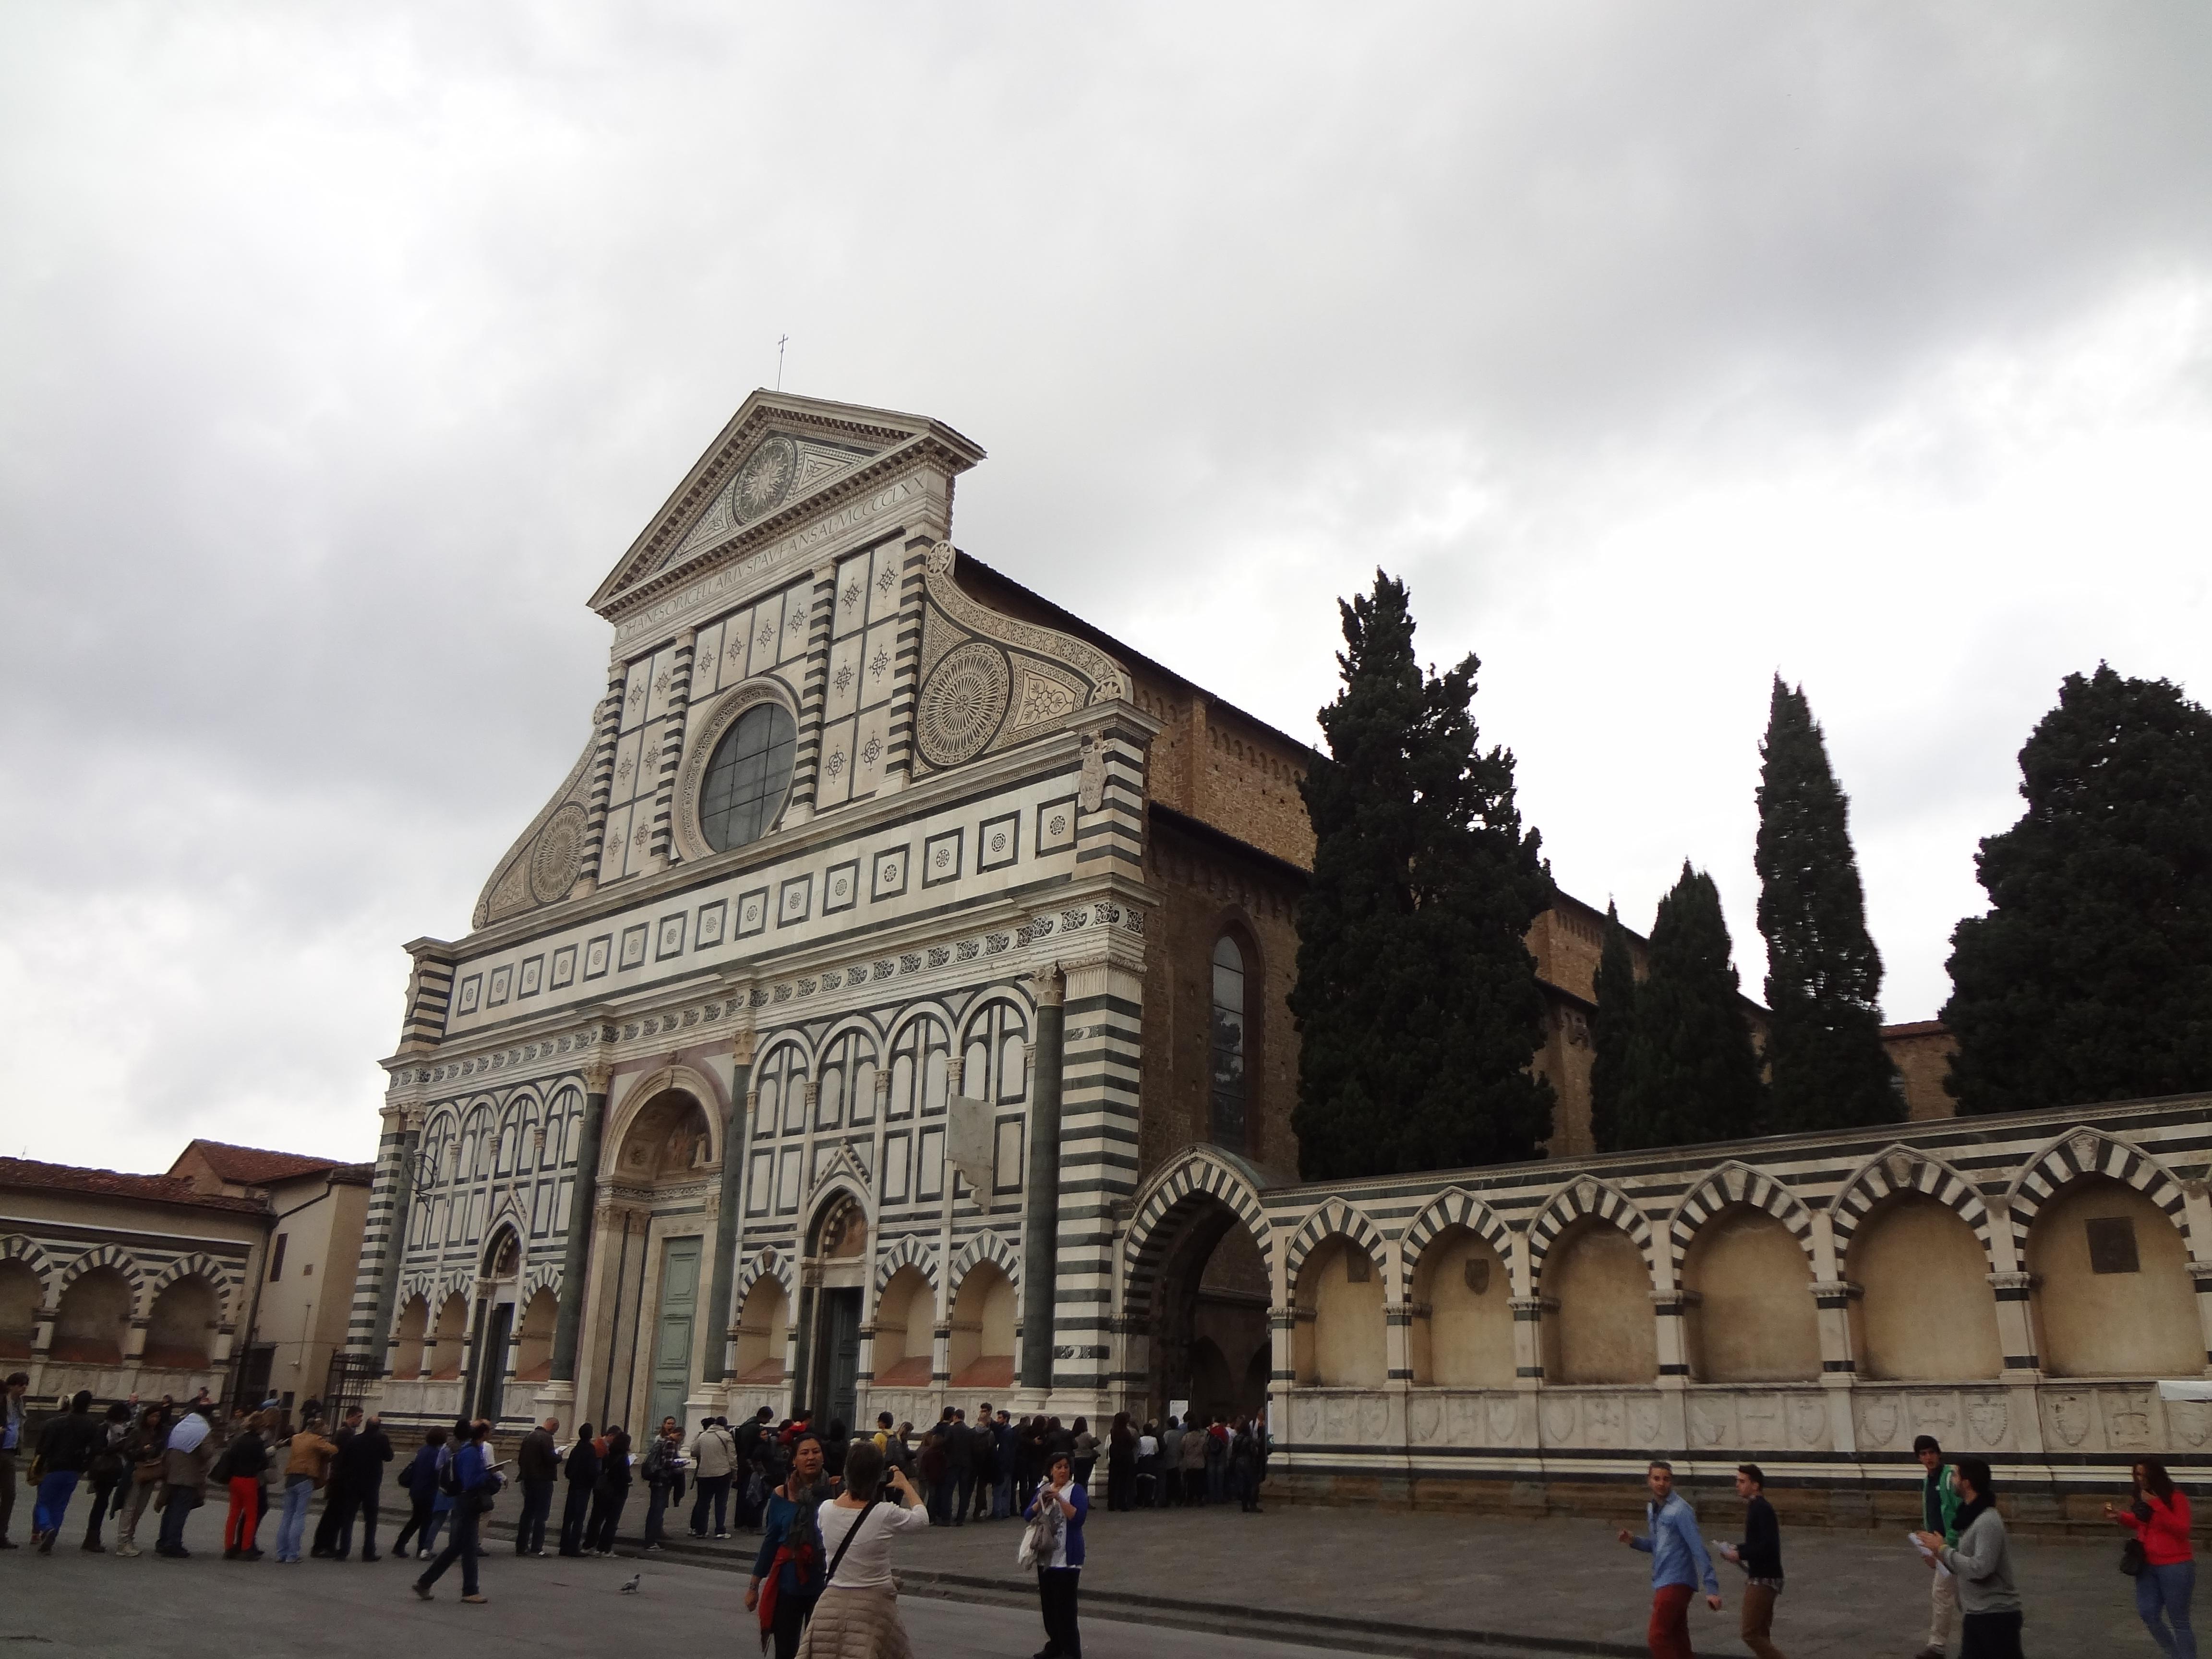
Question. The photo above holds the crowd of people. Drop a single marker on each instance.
(812, 1496)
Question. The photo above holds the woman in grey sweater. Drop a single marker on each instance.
(1988, 1601)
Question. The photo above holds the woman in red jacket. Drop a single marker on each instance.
(2159, 1517)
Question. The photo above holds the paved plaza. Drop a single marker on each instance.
(1169, 1583)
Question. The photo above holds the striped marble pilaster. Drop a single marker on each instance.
(906, 676)
(376, 1279)
(661, 853)
(607, 725)
(814, 691)
(1101, 1064)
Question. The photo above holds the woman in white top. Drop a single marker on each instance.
(857, 1617)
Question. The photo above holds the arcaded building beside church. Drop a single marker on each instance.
(888, 1008)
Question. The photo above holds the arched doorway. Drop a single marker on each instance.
(494, 1323)
(833, 1284)
(657, 1182)
(1198, 1296)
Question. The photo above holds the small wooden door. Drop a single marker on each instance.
(671, 1346)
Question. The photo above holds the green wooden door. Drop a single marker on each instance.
(671, 1343)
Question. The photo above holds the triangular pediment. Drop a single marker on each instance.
(781, 458)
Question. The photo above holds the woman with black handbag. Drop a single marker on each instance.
(2159, 1558)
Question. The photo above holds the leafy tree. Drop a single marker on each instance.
(1692, 1074)
(2091, 976)
(1417, 1002)
(1829, 1069)
(1611, 1028)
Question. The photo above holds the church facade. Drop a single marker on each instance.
(887, 1009)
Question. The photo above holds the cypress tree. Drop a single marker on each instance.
(2090, 978)
(1417, 1002)
(1611, 1028)
(1828, 1068)
(1692, 1073)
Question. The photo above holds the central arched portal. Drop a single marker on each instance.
(1199, 1296)
(664, 1168)
(833, 1281)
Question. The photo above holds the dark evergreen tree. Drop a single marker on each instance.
(2091, 976)
(1417, 1002)
(1611, 1028)
(1692, 1071)
(1827, 1068)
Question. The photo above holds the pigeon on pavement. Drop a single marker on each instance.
(635, 1579)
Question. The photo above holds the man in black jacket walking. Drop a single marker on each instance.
(336, 1498)
(360, 1467)
(1760, 1555)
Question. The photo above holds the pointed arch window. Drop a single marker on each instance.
(1227, 1045)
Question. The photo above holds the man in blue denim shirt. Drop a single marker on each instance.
(1678, 1564)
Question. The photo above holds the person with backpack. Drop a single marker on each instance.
(611, 1493)
(419, 1479)
(714, 1454)
(471, 1482)
(856, 1616)
(664, 1473)
(1245, 1461)
(788, 1572)
(580, 1468)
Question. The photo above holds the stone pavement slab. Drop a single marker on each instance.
(1341, 1579)
(1556, 1583)
(1391, 1580)
(74, 1606)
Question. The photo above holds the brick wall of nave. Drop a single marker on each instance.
(1209, 886)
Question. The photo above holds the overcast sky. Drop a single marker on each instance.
(1659, 347)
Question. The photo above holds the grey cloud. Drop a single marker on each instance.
(346, 352)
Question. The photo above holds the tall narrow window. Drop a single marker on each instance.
(1228, 1045)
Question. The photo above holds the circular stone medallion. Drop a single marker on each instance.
(765, 479)
(554, 858)
(962, 703)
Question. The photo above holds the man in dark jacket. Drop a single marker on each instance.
(1760, 1555)
(960, 1464)
(538, 1462)
(66, 1447)
(583, 1469)
(335, 1495)
(361, 1468)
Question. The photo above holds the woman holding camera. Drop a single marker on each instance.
(857, 1616)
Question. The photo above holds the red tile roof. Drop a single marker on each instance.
(24, 1172)
(251, 1166)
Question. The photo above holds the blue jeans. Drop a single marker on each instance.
(289, 1530)
(2162, 1598)
(1002, 1497)
(52, 1502)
